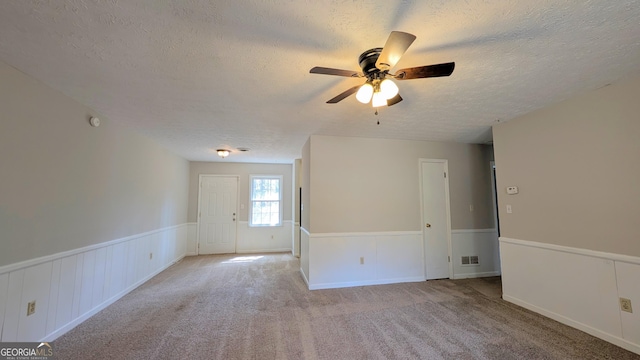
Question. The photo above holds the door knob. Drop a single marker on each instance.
(428, 225)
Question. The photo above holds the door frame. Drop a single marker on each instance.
(200, 177)
(496, 215)
(494, 196)
(445, 163)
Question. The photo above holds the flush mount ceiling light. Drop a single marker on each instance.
(376, 64)
(223, 153)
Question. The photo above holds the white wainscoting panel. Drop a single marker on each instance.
(304, 254)
(387, 257)
(628, 280)
(4, 290)
(335, 261)
(480, 242)
(296, 240)
(14, 309)
(577, 287)
(259, 239)
(192, 239)
(66, 285)
(395, 261)
(250, 239)
(70, 287)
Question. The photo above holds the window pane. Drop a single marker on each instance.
(275, 212)
(265, 201)
(265, 213)
(265, 189)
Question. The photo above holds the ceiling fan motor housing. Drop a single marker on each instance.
(368, 60)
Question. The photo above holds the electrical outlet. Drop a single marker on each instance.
(150, 256)
(625, 305)
(361, 260)
(31, 308)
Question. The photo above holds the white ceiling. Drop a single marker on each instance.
(196, 75)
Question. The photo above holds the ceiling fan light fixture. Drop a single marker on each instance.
(223, 153)
(388, 88)
(364, 93)
(378, 99)
(376, 64)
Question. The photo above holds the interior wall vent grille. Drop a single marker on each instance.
(469, 260)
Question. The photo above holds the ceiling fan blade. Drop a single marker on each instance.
(337, 72)
(397, 43)
(425, 71)
(394, 100)
(344, 95)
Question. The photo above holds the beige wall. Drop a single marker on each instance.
(577, 165)
(66, 185)
(243, 170)
(371, 185)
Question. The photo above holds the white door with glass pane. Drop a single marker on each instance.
(266, 201)
(217, 209)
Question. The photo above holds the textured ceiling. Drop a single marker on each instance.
(196, 75)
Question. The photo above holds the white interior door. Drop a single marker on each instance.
(217, 211)
(435, 218)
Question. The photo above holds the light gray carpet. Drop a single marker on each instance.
(217, 307)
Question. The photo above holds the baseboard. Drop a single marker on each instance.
(575, 324)
(304, 277)
(364, 283)
(258, 251)
(476, 275)
(191, 254)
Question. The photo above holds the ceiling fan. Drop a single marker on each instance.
(375, 64)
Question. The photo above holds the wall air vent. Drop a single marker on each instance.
(471, 260)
